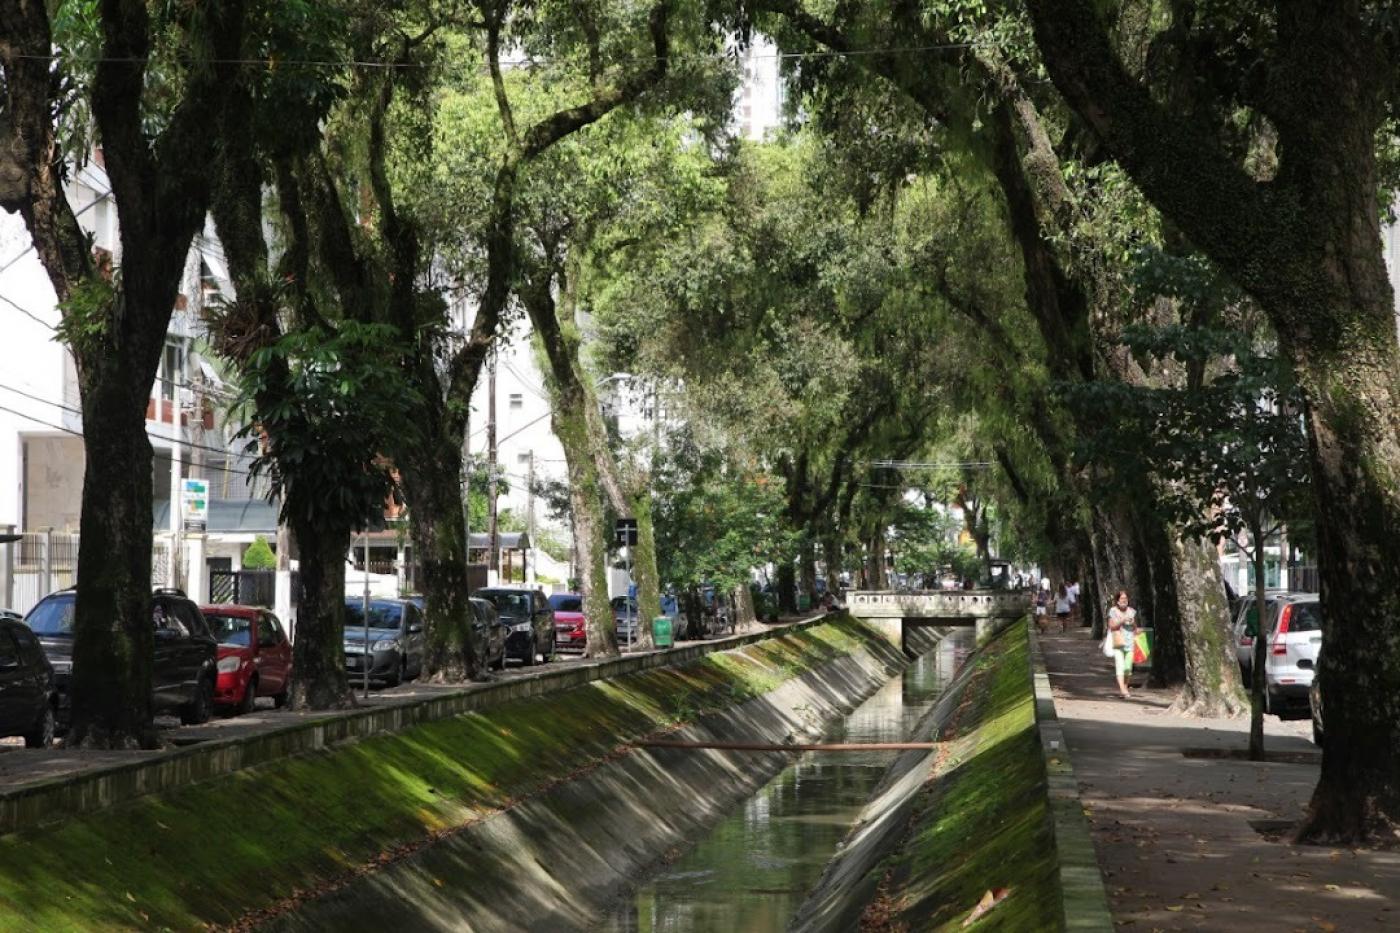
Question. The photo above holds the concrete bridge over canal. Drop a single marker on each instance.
(892, 612)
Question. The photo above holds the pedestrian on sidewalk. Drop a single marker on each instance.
(1073, 590)
(1042, 597)
(1062, 606)
(1122, 627)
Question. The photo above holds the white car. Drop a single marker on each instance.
(1294, 640)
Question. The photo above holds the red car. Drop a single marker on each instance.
(569, 628)
(255, 656)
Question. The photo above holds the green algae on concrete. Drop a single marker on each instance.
(208, 853)
(983, 820)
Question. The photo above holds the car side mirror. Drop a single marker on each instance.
(9, 664)
(414, 628)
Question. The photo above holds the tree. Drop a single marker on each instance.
(1299, 231)
(259, 556)
(306, 335)
(153, 113)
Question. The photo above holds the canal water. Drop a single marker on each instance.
(753, 870)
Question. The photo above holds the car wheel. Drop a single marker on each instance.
(42, 736)
(250, 696)
(398, 676)
(196, 712)
(1317, 734)
(1270, 702)
(499, 664)
(280, 700)
(530, 653)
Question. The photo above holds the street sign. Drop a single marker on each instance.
(194, 503)
(625, 532)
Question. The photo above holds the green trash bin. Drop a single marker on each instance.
(661, 632)
(804, 602)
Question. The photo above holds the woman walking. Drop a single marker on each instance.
(1122, 626)
(1063, 604)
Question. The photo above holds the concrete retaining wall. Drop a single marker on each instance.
(57, 798)
(557, 861)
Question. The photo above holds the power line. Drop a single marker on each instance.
(233, 471)
(78, 411)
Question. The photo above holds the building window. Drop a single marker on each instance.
(517, 401)
(523, 457)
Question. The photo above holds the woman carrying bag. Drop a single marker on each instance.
(1118, 643)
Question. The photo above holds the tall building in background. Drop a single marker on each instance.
(758, 108)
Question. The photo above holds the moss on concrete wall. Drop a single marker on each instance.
(982, 821)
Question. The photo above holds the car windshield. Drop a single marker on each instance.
(381, 615)
(566, 603)
(230, 630)
(509, 604)
(52, 618)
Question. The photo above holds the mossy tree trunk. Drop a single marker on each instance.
(318, 655)
(1211, 685)
(433, 488)
(644, 569)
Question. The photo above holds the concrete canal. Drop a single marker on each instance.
(754, 869)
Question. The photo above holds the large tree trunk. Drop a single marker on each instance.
(1212, 685)
(1354, 433)
(590, 533)
(318, 660)
(787, 587)
(113, 645)
(433, 486)
(808, 569)
(1155, 543)
(644, 571)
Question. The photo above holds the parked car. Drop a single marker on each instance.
(394, 649)
(28, 699)
(1246, 626)
(255, 656)
(624, 610)
(491, 633)
(570, 626)
(528, 619)
(1294, 640)
(183, 670)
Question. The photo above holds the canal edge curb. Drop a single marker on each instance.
(1085, 899)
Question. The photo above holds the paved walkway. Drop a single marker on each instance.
(20, 766)
(1190, 842)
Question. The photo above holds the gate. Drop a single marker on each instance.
(245, 587)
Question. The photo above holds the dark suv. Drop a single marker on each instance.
(183, 672)
(528, 620)
(26, 686)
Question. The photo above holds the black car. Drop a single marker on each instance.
(27, 699)
(183, 673)
(490, 633)
(396, 642)
(528, 619)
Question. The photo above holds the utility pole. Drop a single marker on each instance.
(530, 508)
(492, 562)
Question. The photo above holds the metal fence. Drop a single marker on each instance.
(1303, 578)
(34, 566)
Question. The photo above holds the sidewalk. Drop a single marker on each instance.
(1191, 842)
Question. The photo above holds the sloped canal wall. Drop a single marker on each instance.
(530, 814)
